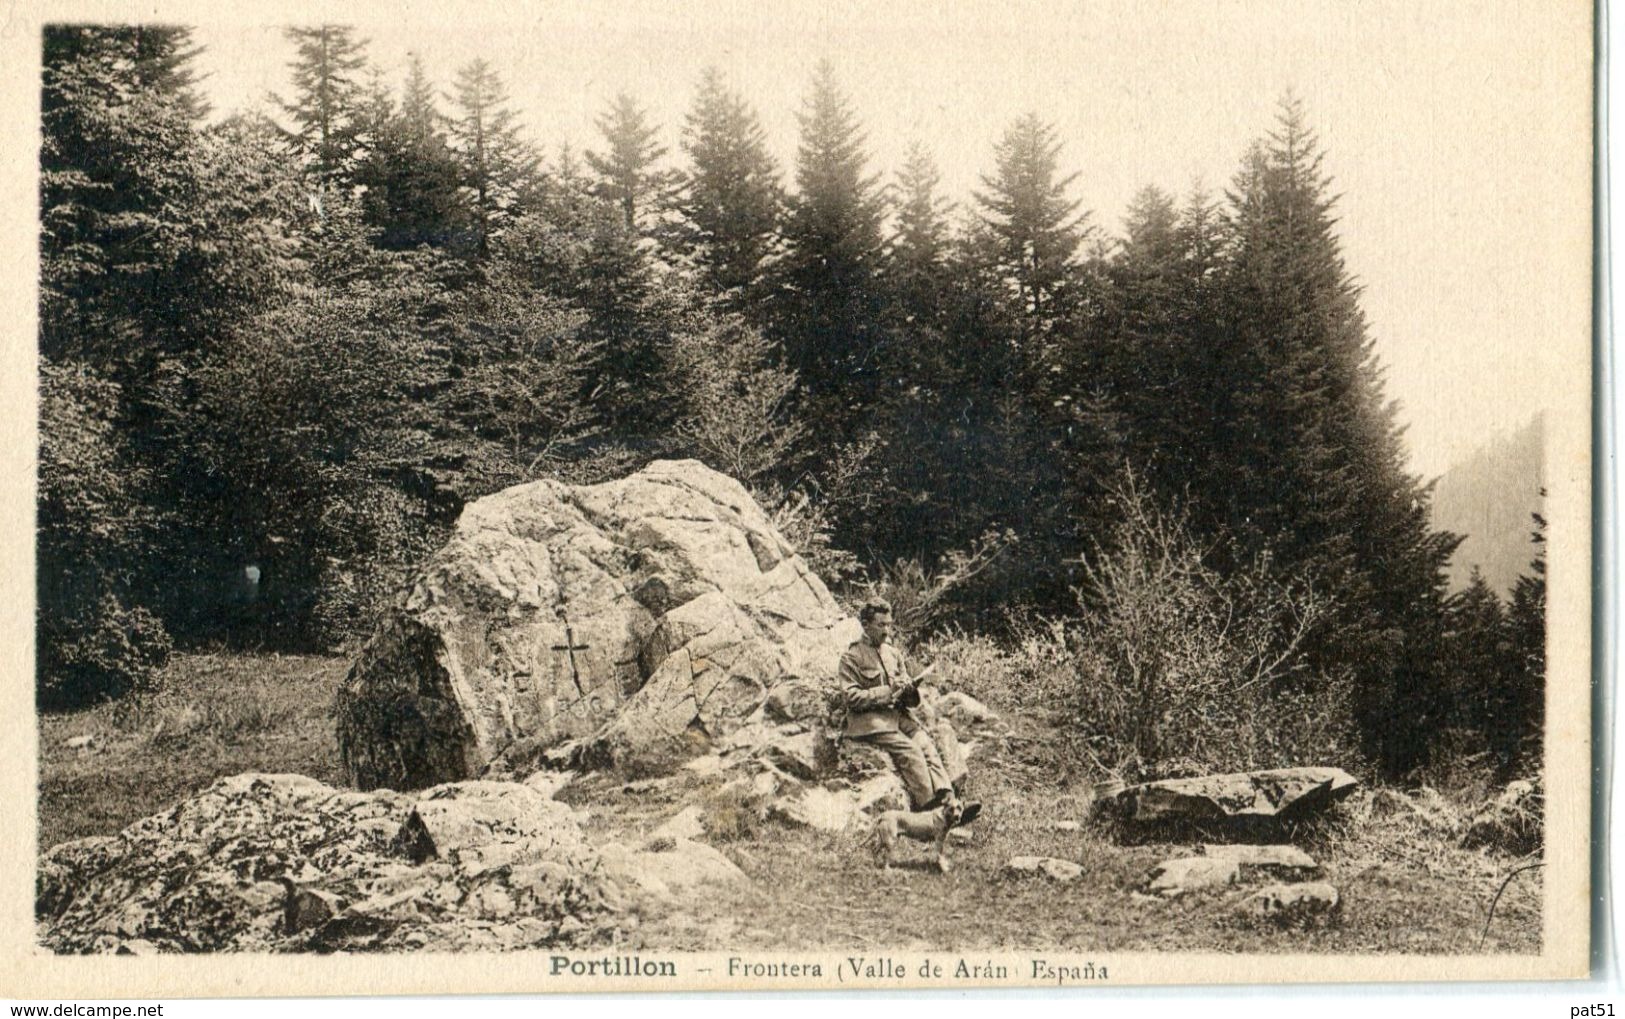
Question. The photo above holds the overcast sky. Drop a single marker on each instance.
(1447, 127)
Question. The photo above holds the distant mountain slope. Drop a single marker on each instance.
(1489, 498)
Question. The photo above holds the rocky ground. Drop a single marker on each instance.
(702, 858)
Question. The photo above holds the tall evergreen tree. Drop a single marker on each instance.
(115, 162)
(1526, 626)
(827, 298)
(1037, 226)
(578, 247)
(627, 169)
(498, 166)
(920, 241)
(412, 178)
(730, 200)
(1156, 321)
(329, 96)
(157, 238)
(1310, 451)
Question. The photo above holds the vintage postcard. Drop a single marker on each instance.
(649, 497)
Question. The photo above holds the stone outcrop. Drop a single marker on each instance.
(670, 868)
(1278, 861)
(283, 863)
(611, 619)
(1277, 795)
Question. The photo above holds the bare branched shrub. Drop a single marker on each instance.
(736, 415)
(1173, 660)
(807, 511)
(919, 596)
(804, 520)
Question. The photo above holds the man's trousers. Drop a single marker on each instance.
(917, 762)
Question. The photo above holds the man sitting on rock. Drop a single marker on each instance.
(879, 692)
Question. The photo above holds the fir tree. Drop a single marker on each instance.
(920, 241)
(729, 201)
(1036, 225)
(116, 161)
(1526, 626)
(328, 98)
(412, 178)
(497, 165)
(827, 295)
(627, 169)
(1310, 451)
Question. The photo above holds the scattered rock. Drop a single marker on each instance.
(611, 618)
(466, 819)
(1280, 794)
(1293, 903)
(838, 805)
(548, 783)
(1277, 861)
(964, 710)
(80, 742)
(1511, 823)
(1173, 878)
(685, 825)
(1049, 866)
(305, 908)
(1066, 826)
(807, 755)
(815, 807)
(675, 870)
(705, 765)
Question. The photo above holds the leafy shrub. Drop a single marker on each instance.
(736, 415)
(804, 521)
(94, 534)
(107, 652)
(373, 538)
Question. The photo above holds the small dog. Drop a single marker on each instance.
(930, 826)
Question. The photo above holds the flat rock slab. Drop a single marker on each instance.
(1290, 903)
(1282, 794)
(1281, 861)
(1048, 866)
(1173, 878)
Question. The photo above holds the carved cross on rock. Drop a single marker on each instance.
(570, 647)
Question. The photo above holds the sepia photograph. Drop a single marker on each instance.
(642, 496)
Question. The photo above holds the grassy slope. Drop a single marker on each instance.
(1405, 889)
(220, 714)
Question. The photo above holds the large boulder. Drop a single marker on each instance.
(283, 863)
(617, 618)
